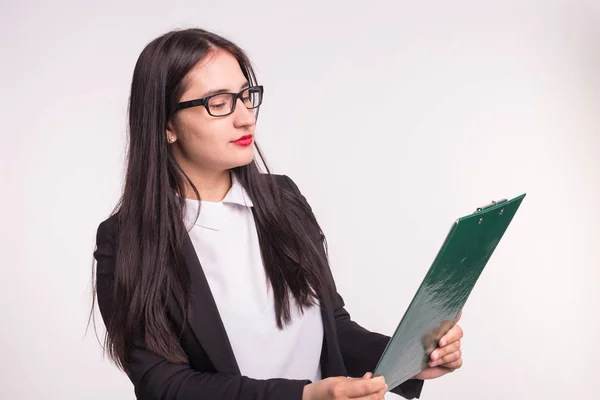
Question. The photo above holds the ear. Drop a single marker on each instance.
(171, 136)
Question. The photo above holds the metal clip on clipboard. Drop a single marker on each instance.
(492, 204)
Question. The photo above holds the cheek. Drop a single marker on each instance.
(202, 131)
(207, 144)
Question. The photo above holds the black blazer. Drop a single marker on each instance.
(212, 371)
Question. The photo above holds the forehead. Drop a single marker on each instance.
(218, 70)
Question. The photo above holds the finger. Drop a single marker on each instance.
(373, 396)
(454, 365)
(455, 334)
(365, 387)
(447, 359)
(443, 351)
(368, 375)
(379, 395)
(432, 373)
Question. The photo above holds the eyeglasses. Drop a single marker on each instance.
(222, 104)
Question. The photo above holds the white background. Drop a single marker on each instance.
(394, 118)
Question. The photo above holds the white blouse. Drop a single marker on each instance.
(226, 243)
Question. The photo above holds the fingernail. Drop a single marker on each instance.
(434, 356)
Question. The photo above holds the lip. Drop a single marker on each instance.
(245, 140)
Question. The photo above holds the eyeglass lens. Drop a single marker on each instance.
(222, 104)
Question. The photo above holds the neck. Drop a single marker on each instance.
(211, 186)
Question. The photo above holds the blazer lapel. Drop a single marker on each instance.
(204, 317)
(332, 363)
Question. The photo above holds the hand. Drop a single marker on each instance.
(339, 388)
(447, 357)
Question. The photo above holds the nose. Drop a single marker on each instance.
(243, 117)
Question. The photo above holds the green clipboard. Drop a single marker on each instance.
(444, 291)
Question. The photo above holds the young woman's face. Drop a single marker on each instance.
(205, 143)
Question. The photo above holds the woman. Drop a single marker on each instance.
(212, 277)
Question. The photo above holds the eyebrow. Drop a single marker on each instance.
(217, 91)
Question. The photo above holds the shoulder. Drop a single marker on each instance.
(293, 195)
(106, 247)
(106, 242)
(107, 230)
(286, 183)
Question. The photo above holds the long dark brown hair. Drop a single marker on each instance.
(150, 269)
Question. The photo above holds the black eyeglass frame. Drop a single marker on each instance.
(204, 101)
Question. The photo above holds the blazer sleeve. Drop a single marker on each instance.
(154, 378)
(361, 348)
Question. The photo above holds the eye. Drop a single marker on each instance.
(219, 102)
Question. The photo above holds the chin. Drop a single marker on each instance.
(243, 161)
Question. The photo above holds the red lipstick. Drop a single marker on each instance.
(245, 140)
